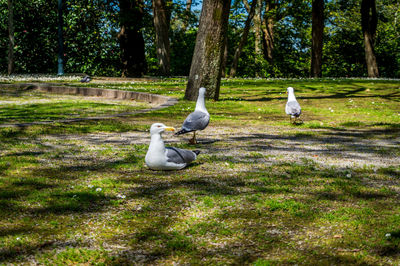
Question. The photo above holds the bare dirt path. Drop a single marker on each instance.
(345, 149)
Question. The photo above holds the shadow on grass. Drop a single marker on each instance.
(352, 142)
(165, 207)
(241, 208)
(345, 90)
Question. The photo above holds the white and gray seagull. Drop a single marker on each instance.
(292, 106)
(159, 157)
(197, 120)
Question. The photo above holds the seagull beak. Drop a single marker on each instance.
(169, 129)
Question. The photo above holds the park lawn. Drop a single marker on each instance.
(80, 192)
(21, 106)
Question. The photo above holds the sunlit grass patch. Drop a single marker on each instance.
(261, 192)
(33, 106)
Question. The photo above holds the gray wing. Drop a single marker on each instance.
(196, 121)
(176, 155)
(293, 108)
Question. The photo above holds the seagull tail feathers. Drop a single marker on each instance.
(182, 131)
(197, 152)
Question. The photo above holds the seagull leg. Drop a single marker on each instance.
(301, 120)
(193, 140)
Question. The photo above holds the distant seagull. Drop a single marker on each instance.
(86, 79)
(198, 120)
(292, 106)
(159, 157)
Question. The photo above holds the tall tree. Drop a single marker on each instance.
(317, 37)
(257, 28)
(205, 70)
(60, 60)
(268, 29)
(243, 40)
(11, 39)
(131, 39)
(224, 58)
(161, 16)
(369, 23)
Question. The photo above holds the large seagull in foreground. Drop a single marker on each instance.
(159, 157)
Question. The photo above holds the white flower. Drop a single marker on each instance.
(98, 189)
(90, 186)
(388, 235)
(121, 196)
(348, 175)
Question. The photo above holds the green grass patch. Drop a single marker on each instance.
(262, 192)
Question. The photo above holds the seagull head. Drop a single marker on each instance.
(289, 90)
(158, 128)
(202, 91)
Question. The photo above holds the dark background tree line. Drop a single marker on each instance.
(263, 38)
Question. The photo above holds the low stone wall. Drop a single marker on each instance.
(85, 91)
(159, 101)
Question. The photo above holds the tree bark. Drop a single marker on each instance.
(11, 39)
(131, 39)
(243, 40)
(257, 29)
(161, 17)
(205, 70)
(224, 58)
(317, 37)
(268, 30)
(369, 23)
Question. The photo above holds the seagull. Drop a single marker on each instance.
(159, 157)
(292, 106)
(198, 120)
(86, 79)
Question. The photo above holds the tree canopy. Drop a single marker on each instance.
(91, 38)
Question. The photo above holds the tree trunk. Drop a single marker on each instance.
(369, 23)
(268, 30)
(243, 40)
(131, 39)
(205, 70)
(161, 16)
(257, 29)
(224, 58)
(187, 11)
(11, 39)
(317, 37)
(60, 60)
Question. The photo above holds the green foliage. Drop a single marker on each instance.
(90, 30)
(91, 46)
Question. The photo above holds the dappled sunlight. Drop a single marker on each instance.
(261, 191)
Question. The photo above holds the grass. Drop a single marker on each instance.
(30, 106)
(79, 193)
